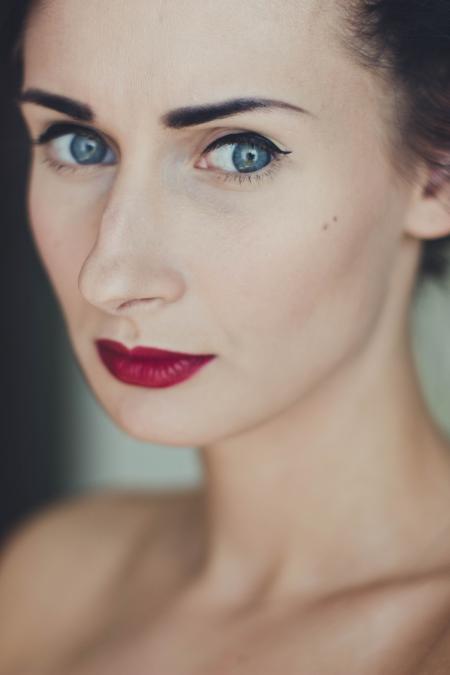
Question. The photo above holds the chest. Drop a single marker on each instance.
(327, 644)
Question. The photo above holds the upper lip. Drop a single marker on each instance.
(147, 352)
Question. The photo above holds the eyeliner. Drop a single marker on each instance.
(59, 128)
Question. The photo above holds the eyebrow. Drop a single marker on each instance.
(192, 115)
(173, 119)
(67, 106)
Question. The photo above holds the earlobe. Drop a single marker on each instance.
(429, 213)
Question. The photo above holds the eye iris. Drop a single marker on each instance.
(245, 154)
(87, 149)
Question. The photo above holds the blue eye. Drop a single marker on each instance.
(245, 157)
(240, 157)
(244, 153)
(87, 150)
(73, 146)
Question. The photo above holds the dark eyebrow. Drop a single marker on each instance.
(173, 119)
(67, 106)
(192, 115)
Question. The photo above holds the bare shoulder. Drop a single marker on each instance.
(437, 659)
(58, 566)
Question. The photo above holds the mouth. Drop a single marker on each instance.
(149, 366)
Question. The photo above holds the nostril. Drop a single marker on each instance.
(132, 303)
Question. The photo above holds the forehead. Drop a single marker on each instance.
(181, 50)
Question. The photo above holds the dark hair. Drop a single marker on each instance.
(406, 43)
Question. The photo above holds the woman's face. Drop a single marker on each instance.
(281, 269)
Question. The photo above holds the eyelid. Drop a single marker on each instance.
(240, 136)
(246, 137)
(61, 128)
(230, 132)
(57, 129)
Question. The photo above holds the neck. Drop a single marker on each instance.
(348, 487)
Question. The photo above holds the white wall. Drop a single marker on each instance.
(431, 340)
(96, 453)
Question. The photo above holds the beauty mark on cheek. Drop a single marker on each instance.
(325, 226)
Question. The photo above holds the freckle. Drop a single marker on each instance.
(335, 219)
(325, 226)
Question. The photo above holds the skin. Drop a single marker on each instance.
(326, 475)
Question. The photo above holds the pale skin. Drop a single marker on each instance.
(321, 541)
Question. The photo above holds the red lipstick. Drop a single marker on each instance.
(148, 366)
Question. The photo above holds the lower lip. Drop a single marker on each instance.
(150, 372)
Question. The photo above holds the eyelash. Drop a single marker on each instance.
(62, 129)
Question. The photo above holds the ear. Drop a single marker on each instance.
(428, 216)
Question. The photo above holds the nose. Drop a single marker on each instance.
(129, 268)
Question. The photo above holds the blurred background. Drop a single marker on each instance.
(56, 440)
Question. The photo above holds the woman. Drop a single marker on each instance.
(257, 188)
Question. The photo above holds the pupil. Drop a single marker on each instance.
(87, 150)
(247, 157)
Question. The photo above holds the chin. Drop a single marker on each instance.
(160, 423)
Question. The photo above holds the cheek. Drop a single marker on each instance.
(312, 277)
(63, 229)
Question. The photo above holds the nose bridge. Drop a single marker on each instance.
(129, 261)
(132, 216)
